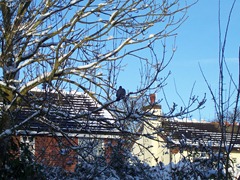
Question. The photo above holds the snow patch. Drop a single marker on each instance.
(8, 132)
(151, 35)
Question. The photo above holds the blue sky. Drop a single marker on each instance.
(198, 43)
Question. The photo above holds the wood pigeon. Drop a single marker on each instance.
(121, 93)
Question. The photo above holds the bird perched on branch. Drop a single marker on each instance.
(121, 93)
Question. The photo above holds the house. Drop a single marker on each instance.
(170, 140)
(65, 124)
(150, 147)
(203, 135)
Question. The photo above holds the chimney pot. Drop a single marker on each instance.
(152, 98)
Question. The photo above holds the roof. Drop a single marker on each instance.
(70, 113)
(152, 106)
(195, 132)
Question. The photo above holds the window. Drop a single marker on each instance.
(200, 156)
(90, 149)
(27, 142)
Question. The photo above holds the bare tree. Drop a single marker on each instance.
(82, 45)
(226, 107)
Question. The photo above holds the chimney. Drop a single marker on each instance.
(152, 98)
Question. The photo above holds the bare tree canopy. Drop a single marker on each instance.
(83, 45)
(51, 40)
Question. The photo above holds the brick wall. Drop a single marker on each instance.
(53, 151)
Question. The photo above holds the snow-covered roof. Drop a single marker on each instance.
(65, 112)
(194, 132)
